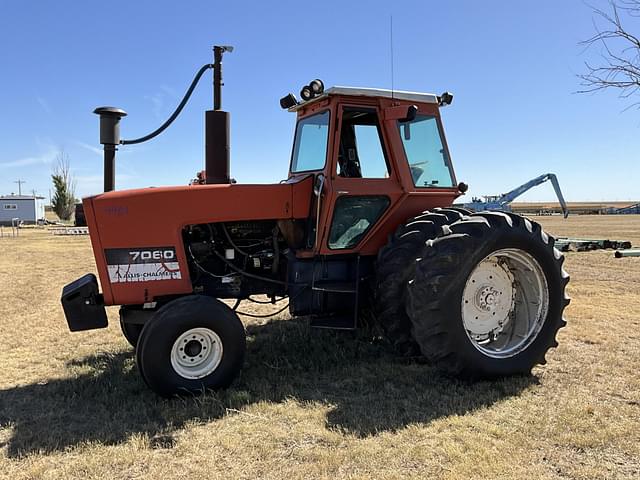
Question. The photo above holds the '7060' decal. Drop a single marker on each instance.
(142, 264)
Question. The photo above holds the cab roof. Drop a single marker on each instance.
(370, 92)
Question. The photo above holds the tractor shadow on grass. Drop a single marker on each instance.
(369, 390)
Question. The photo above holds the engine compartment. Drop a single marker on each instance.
(237, 259)
(240, 259)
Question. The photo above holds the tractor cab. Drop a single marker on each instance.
(373, 154)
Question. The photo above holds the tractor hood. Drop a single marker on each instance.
(151, 218)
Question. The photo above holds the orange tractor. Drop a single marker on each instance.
(362, 221)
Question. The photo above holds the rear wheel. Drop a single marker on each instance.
(192, 344)
(488, 295)
(394, 268)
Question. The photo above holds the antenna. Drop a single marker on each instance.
(391, 48)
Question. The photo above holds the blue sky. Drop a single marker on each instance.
(512, 66)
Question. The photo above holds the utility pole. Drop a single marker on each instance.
(34, 193)
(20, 182)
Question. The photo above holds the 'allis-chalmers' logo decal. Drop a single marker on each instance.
(142, 264)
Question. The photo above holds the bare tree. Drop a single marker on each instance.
(619, 66)
(64, 199)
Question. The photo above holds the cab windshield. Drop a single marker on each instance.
(310, 145)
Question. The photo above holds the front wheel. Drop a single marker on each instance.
(131, 332)
(488, 295)
(191, 345)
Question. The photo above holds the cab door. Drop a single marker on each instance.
(364, 185)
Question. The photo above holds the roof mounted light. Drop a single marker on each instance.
(306, 93)
(445, 99)
(314, 89)
(288, 101)
(317, 87)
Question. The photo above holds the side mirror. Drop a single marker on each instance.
(402, 113)
(318, 186)
(463, 187)
(412, 111)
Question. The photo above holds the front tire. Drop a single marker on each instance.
(487, 296)
(132, 320)
(192, 344)
(131, 332)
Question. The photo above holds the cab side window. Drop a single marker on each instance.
(361, 154)
(423, 146)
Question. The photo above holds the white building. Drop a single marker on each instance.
(27, 208)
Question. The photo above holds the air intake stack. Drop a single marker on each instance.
(110, 139)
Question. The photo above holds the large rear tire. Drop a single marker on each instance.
(192, 344)
(394, 268)
(487, 296)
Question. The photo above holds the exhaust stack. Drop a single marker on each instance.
(217, 127)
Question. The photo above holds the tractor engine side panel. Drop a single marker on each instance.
(137, 235)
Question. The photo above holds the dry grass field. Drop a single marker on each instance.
(318, 404)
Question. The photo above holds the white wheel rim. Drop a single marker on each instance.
(196, 353)
(505, 303)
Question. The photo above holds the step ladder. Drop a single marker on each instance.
(350, 289)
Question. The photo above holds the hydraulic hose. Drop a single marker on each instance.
(173, 116)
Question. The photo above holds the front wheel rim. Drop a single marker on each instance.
(196, 353)
(505, 303)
